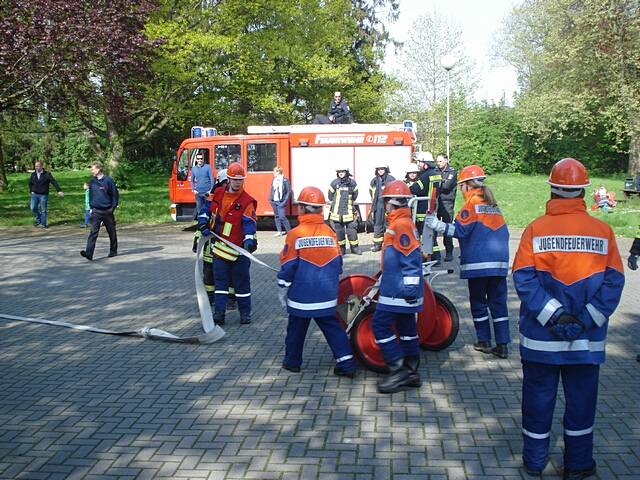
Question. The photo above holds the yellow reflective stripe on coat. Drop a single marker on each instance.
(222, 250)
(226, 230)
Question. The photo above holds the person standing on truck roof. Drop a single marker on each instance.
(231, 214)
(446, 199)
(377, 213)
(201, 181)
(310, 268)
(278, 198)
(430, 177)
(339, 111)
(401, 293)
(569, 276)
(39, 187)
(343, 192)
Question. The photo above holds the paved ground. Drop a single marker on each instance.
(83, 405)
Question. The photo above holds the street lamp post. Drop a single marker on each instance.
(448, 62)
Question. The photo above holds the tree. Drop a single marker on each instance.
(243, 63)
(579, 67)
(86, 59)
(30, 62)
(423, 79)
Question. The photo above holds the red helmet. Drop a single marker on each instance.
(569, 173)
(311, 196)
(235, 171)
(397, 190)
(471, 172)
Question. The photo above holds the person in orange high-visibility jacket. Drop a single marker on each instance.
(484, 258)
(311, 265)
(569, 277)
(401, 293)
(231, 213)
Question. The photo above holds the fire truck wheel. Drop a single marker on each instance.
(351, 285)
(363, 342)
(447, 324)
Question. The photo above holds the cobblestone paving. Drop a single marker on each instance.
(84, 405)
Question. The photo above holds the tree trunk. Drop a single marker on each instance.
(4, 183)
(116, 150)
(634, 152)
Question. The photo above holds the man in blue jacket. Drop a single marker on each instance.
(104, 199)
(201, 181)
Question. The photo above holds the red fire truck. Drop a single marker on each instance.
(308, 154)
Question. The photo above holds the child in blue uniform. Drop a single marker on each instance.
(310, 269)
(401, 293)
(484, 258)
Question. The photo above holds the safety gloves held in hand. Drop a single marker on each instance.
(282, 295)
(250, 245)
(439, 226)
(566, 327)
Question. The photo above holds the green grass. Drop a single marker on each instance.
(147, 201)
(521, 197)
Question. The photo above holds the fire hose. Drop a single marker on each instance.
(212, 332)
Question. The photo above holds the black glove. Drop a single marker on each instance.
(633, 262)
(567, 327)
(250, 245)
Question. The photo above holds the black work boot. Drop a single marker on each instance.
(484, 347)
(500, 350)
(412, 363)
(218, 317)
(398, 378)
(344, 373)
(245, 319)
(448, 256)
(376, 247)
(579, 474)
(343, 249)
(231, 303)
(355, 249)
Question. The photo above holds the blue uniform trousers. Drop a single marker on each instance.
(236, 273)
(539, 389)
(489, 294)
(332, 331)
(395, 347)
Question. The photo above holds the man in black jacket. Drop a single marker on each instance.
(339, 111)
(447, 199)
(343, 192)
(430, 177)
(377, 213)
(39, 188)
(103, 198)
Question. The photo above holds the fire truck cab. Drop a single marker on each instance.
(308, 154)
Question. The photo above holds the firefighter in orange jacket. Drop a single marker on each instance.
(231, 213)
(401, 293)
(568, 275)
(311, 265)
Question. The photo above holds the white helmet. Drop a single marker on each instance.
(412, 168)
(424, 157)
(222, 176)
